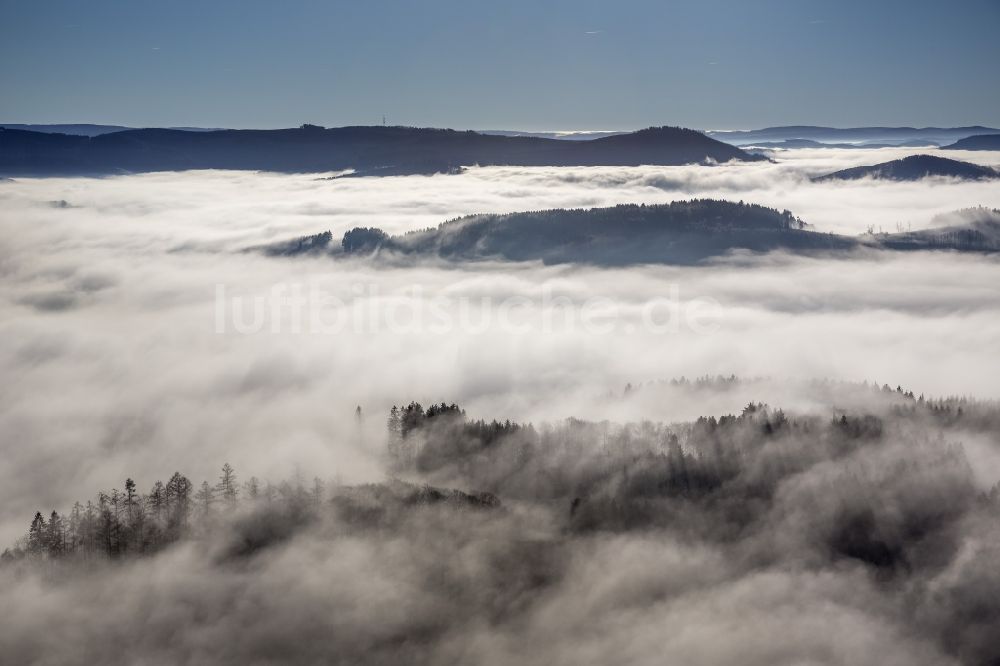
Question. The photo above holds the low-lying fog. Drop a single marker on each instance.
(122, 355)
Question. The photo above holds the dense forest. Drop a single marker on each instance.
(126, 521)
(887, 492)
(693, 461)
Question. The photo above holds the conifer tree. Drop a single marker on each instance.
(227, 486)
(36, 535)
(54, 536)
(205, 498)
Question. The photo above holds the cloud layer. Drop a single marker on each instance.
(114, 367)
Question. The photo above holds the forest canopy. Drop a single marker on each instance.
(882, 500)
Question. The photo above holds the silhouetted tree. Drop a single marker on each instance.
(227, 486)
(157, 501)
(178, 502)
(55, 538)
(252, 488)
(36, 535)
(363, 239)
(316, 493)
(74, 530)
(205, 498)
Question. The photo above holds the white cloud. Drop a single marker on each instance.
(112, 367)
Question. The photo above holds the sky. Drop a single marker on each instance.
(581, 64)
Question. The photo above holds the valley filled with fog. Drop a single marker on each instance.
(142, 331)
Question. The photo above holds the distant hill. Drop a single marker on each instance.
(79, 129)
(809, 143)
(977, 142)
(315, 149)
(568, 135)
(680, 233)
(86, 129)
(915, 167)
(863, 136)
(791, 136)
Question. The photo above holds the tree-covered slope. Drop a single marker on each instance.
(914, 167)
(679, 232)
(977, 142)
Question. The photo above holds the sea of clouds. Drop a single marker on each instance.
(130, 347)
(116, 363)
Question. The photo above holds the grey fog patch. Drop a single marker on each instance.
(51, 301)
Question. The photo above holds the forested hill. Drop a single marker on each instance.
(680, 232)
(915, 167)
(850, 135)
(367, 149)
(977, 142)
(882, 503)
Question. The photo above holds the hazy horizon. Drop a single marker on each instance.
(462, 128)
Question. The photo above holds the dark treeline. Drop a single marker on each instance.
(453, 434)
(579, 460)
(574, 461)
(889, 491)
(314, 243)
(125, 521)
(965, 411)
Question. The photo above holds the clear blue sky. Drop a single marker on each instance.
(509, 64)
